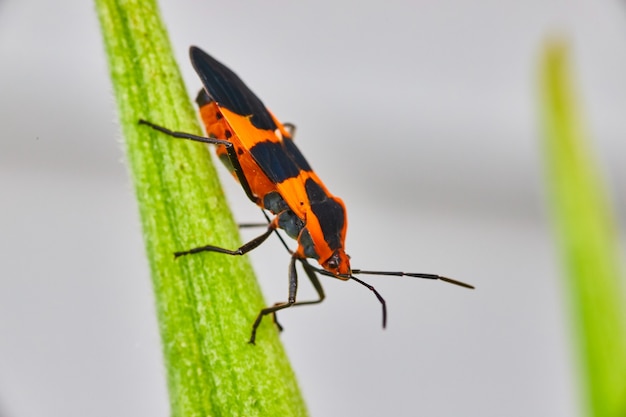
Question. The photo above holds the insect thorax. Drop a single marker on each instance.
(290, 223)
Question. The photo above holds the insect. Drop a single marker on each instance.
(261, 154)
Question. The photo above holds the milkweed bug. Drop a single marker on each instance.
(260, 153)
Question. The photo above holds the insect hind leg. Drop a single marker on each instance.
(184, 135)
(230, 150)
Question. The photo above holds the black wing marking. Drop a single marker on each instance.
(280, 161)
(274, 161)
(294, 153)
(227, 89)
(329, 212)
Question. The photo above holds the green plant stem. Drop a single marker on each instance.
(207, 302)
(586, 232)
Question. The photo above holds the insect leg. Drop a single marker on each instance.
(251, 225)
(230, 149)
(183, 135)
(291, 300)
(243, 249)
(310, 272)
(291, 128)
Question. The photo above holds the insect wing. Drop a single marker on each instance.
(256, 130)
(227, 89)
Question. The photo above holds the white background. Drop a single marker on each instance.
(421, 115)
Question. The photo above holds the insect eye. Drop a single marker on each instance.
(333, 262)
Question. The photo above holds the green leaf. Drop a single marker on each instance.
(206, 303)
(587, 238)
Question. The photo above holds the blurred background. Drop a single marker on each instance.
(422, 115)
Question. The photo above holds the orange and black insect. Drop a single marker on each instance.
(260, 152)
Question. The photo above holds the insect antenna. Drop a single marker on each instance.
(363, 283)
(377, 294)
(415, 275)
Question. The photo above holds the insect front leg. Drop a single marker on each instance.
(291, 300)
(311, 273)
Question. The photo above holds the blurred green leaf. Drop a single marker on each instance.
(587, 238)
(206, 303)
